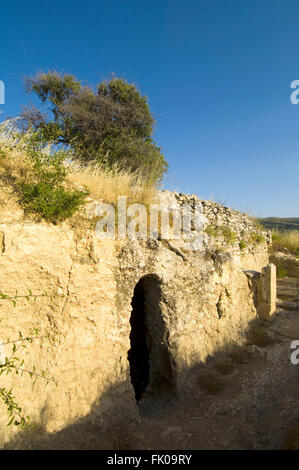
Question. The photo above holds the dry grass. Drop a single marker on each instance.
(103, 183)
(107, 184)
(17, 166)
(14, 161)
(288, 240)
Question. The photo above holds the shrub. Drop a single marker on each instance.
(39, 175)
(45, 193)
(102, 182)
(242, 244)
(53, 203)
(112, 125)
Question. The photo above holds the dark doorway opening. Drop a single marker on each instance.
(139, 352)
(151, 367)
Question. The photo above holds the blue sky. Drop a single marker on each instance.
(217, 74)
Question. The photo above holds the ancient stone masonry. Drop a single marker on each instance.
(132, 317)
(263, 286)
(224, 226)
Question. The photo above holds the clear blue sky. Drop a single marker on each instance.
(217, 74)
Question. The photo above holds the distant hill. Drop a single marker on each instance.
(280, 223)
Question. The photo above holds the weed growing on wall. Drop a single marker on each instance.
(42, 182)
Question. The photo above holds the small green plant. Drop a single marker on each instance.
(242, 244)
(229, 235)
(257, 238)
(42, 186)
(212, 231)
(222, 231)
(53, 203)
(281, 271)
(45, 193)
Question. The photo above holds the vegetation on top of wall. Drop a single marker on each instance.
(257, 238)
(288, 240)
(44, 193)
(40, 178)
(221, 231)
(107, 184)
(242, 244)
(254, 237)
(52, 185)
(110, 126)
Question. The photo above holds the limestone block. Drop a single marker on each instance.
(267, 291)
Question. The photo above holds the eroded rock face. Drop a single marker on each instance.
(84, 287)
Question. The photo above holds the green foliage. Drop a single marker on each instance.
(44, 192)
(281, 271)
(110, 125)
(257, 238)
(212, 231)
(222, 231)
(229, 235)
(53, 86)
(242, 244)
(53, 203)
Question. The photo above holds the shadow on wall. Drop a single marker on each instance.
(219, 378)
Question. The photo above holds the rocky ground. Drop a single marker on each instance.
(246, 397)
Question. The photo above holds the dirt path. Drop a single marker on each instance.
(244, 398)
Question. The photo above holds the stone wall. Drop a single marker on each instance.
(84, 286)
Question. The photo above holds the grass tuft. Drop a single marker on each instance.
(288, 240)
(107, 184)
(101, 183)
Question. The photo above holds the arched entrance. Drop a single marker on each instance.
(151, 367)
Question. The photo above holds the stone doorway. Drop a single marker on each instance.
(151, 367)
